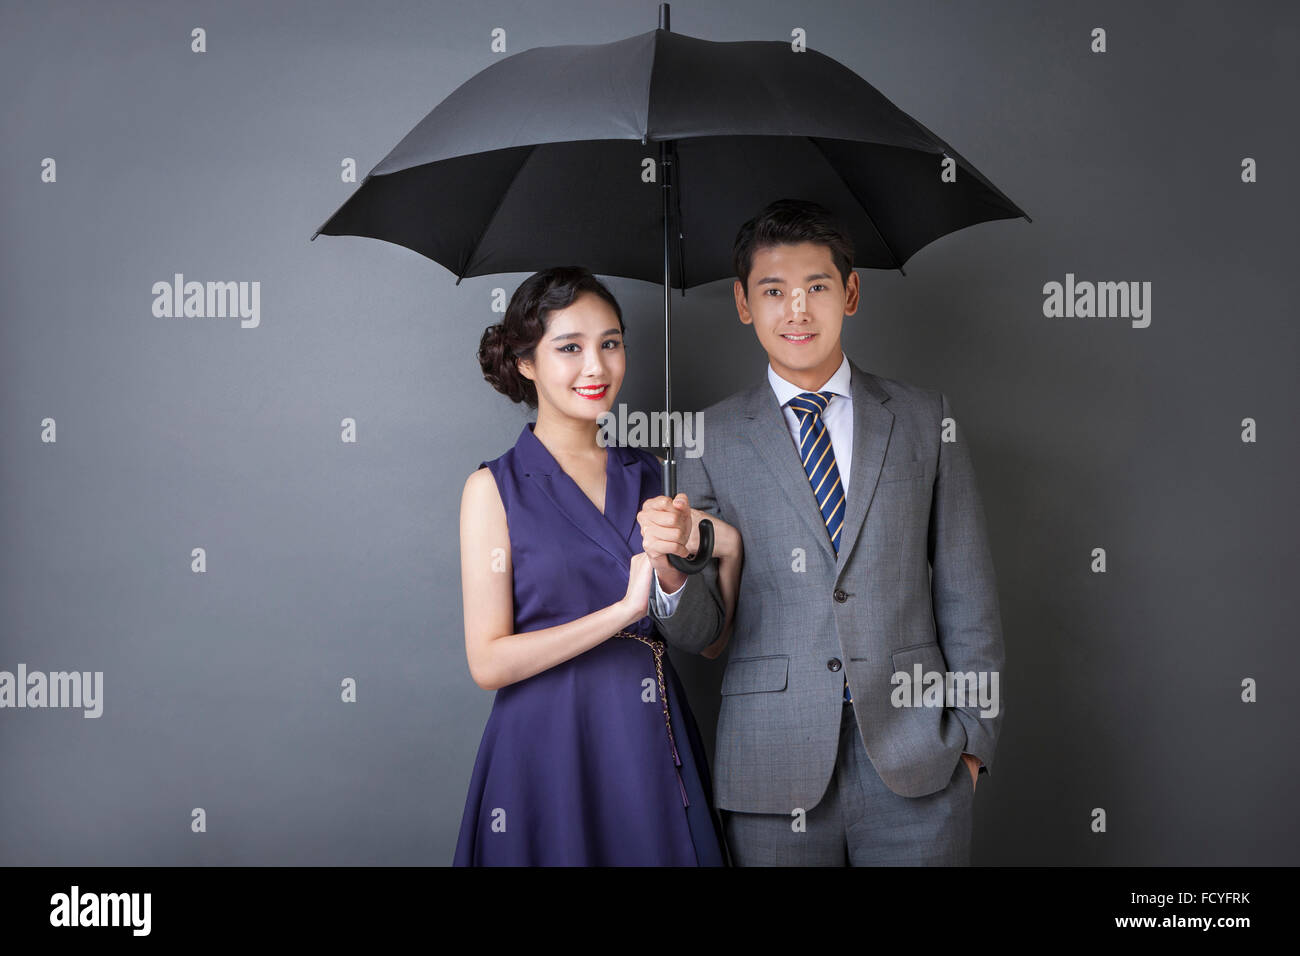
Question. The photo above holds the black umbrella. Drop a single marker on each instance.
(543, 157)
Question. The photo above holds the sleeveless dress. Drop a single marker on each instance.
(577, 766)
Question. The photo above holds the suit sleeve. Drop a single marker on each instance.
(665, 603)
(698, 618)
(964, 589)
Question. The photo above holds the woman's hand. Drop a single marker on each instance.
(636, 602)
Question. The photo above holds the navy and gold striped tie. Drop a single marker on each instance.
(818, 459)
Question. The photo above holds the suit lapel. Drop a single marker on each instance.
(767, 431)
(610, 530)
(872, 425)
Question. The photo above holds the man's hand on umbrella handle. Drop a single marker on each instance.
(667, 528)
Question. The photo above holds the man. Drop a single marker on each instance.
(865, 557)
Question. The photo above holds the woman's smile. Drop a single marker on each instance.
(593, 392)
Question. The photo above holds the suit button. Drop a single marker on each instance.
(833, 664)
(840, 595)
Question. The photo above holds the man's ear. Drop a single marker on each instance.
(852, 293)
(742, 306)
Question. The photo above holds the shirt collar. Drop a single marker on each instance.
(837, 383)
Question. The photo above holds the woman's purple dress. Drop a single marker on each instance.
(576, 765)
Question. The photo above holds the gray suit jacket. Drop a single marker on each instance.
(913, 583)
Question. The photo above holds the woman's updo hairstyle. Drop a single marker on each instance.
(516, 337)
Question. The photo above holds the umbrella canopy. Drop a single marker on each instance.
(542, 157)
(545, 157)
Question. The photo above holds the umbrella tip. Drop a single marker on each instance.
(1027, 219)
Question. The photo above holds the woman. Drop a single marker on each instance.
(591, 755)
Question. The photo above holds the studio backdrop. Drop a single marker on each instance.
(239, 526)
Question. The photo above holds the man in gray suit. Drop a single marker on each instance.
(865, 562)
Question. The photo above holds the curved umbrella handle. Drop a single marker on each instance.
(702, 554)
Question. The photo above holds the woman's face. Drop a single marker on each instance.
(578, 365)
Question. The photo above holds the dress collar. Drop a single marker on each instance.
(611, 530)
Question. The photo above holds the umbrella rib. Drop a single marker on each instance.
(336, 211)
(681, 229)
(460, 273)
(883, 241)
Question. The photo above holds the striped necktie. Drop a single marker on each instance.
(818, 459)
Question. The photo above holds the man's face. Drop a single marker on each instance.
(796, 302)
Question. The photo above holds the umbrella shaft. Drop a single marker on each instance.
(665, 178)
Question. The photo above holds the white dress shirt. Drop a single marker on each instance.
(838, 418)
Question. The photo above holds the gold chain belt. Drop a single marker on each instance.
(658, 648)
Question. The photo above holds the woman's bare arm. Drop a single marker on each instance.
(497, 656)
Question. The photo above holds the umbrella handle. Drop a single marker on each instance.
(702, 554)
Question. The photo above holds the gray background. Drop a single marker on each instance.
(328, 560)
